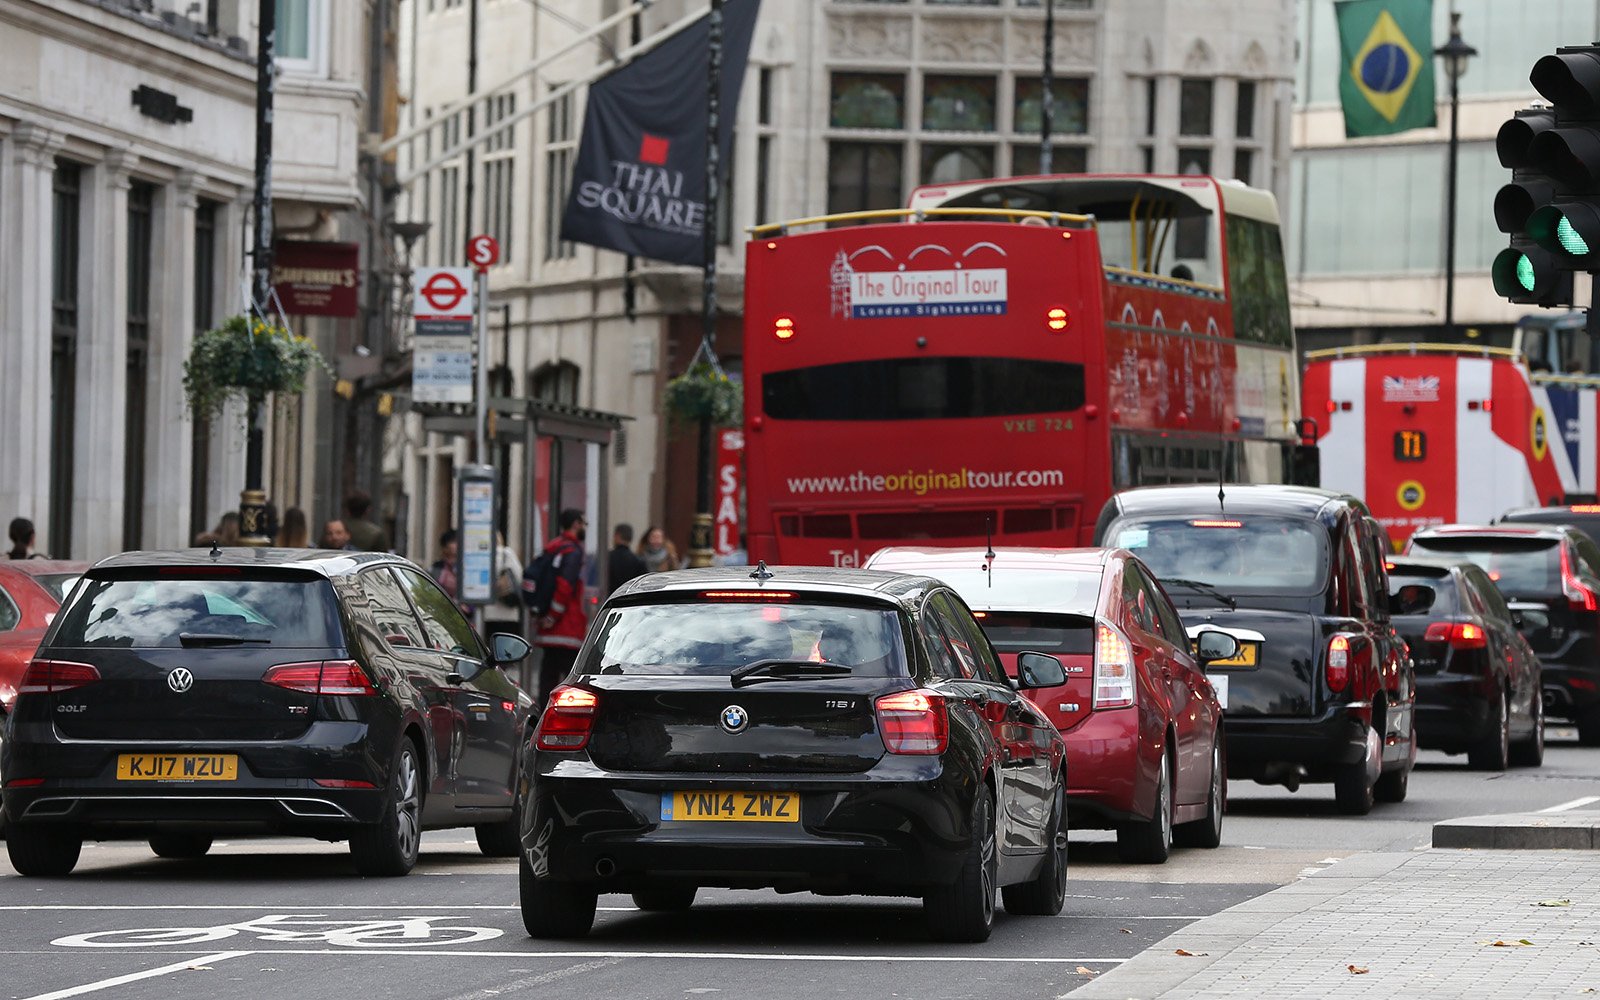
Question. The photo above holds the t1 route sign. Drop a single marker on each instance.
(441, 357)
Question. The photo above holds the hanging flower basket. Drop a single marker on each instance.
(704, 392)
(247, 357)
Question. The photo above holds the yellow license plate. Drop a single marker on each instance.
(733, 807)
(177, 767)
(1246, 657)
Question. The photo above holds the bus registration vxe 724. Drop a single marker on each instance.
(995, 360)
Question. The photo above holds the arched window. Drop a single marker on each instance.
(556, 382)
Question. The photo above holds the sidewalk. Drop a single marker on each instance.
(1423, 925)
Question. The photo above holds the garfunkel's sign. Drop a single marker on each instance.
(317, 279)
(639, 184)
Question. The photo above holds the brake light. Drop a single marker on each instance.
(913, 722)
(783, 327)
(55, 676)
(1460, 635)
(24, 782)
(343, 783)
(567, 720)
(322, 677)
(1057, 319)
(747, 595)
(1579, 597)
(1585, 508)
(1216, 524)
(1113, 668)
(1338, 662)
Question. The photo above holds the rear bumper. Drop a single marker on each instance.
(1570, 691)
(883, 834)
(1453, 711)
(1109, 782)
(1259, 747)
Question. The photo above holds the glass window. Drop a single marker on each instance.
(9, 615)
(299, 43)
(560, 149)
(1257, 283)
(941, 651)
(1422, 593)
(1194, 160)
(1244, 115)
(1518, 566)
(1171, 624)
(971, 644)
(923, 388)
(156, 613)
(1063, 159)
(442, 623)
(864, 175)
(1073, 591)
(1244, 165)
(1069, 99)
(951, 164)
(1013, 632)
(1151, 88)
(1250, 555)
(1489, 594)
(1194, 107)
(391, 610)
(1135, 602)
(958, 103)
(867, 100)
(711, 639)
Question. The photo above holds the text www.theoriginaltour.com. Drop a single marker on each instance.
(921, 483)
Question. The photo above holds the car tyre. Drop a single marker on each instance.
(1353, 793)
(665, 898)
(42, 851)
(180, 845)
(1046, 892)
(390, 846)
(1149, 842)
(1589, 727)
(1493, 751)
(1393, 785)
(1207, 832)
(963, 911)
(552, 909)
(1530, 752)
(502, 839)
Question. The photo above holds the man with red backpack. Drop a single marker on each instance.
(552, 588)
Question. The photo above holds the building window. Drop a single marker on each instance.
(958, 103)
(141, 220)
(1063, 159)
(67, 192)
(766, 135)
(1244, 122)
(1243, 161)
(943, 164)
(301, 40)
(1194, 160)
(864, 175)
(205, 304)
(499, 172)
(561, 146)
(450, 243)
(864, 100)
(1194, 107)
(1069, 99)
(555, 383)
(1150, 90)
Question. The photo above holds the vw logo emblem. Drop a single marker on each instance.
(180, 680)
(734, 719)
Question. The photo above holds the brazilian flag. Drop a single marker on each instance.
(1386, 65)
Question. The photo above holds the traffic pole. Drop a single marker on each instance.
(481, 391)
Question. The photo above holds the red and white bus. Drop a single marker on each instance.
(1444, 434)
(995, 360)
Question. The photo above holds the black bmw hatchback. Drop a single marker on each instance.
(837, 731)
(334, 695)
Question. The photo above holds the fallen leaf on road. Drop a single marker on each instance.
(1553, 902)
(1084, 970)
(1524, 941)
(1123, 930)
(1519, 943)
(1358, 970)
(199, 968)
(1188, 954)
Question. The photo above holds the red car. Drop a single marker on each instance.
(31, 590)
(1142, 723)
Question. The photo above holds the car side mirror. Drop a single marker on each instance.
(1211, 645)
(506, 648)
(1039, 670)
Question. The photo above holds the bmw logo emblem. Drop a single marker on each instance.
(734, 719)
(180, 680)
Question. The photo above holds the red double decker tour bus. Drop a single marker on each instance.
(995, 360)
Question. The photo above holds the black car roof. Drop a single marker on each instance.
(1201, 498)
(900, 588)
(326, 562)
(1425, 566)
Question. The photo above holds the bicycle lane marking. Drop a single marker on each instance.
(295, 928)
(133, 977)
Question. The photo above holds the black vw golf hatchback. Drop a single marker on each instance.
(837, 731)
(337, 695)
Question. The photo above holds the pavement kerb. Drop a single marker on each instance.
(1568, 831)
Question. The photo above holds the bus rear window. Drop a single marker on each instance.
(923, 388)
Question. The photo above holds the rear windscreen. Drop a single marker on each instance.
(1518, 565)
(1015, 632)
(711, 639)
(1421, 595)
(923, 388)
(1248, 554)
(159, 612)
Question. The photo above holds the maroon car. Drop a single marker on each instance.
(1142, 723)
(31, 591)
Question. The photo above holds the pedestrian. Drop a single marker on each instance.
(741, 555)
(623, 564)
(294, 533)
(657, 551)
(22, 535)
(365, 534)
(227, 529)
(552, 588)
(334, 536)
(443, 569)
(503, 614)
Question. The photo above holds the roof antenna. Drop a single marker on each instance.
(216, 550)
(1222, 473)
(988, 555)
(761, 574)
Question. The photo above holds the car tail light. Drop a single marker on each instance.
(1338, 662)
(24, 782)
(1579, 597)
(783, 327)
(567, 720)
(1057, 319)
(1113, 668)
(330, 677)
(343, 783)
(55, 676)
(1460, 635)
(913, 722)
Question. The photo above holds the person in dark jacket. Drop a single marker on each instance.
(624, 564)
(552, 588)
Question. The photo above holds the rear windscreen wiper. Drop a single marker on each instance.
(1202, 587)
(215, 639)
(784, 670)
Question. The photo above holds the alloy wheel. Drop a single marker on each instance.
(408, 806)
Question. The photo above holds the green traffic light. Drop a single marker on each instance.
(1569, 239)
(1525, 275)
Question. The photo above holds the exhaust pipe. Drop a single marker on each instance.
(1288, 775)
(605, 868)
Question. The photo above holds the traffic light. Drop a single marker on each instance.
(1551, 208)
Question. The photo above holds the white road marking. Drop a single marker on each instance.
(1574, 804)
(133, 977)
(717, 956)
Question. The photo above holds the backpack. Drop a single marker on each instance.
(542, 571)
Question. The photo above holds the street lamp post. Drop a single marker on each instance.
(1455, 54)
(253, 500)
